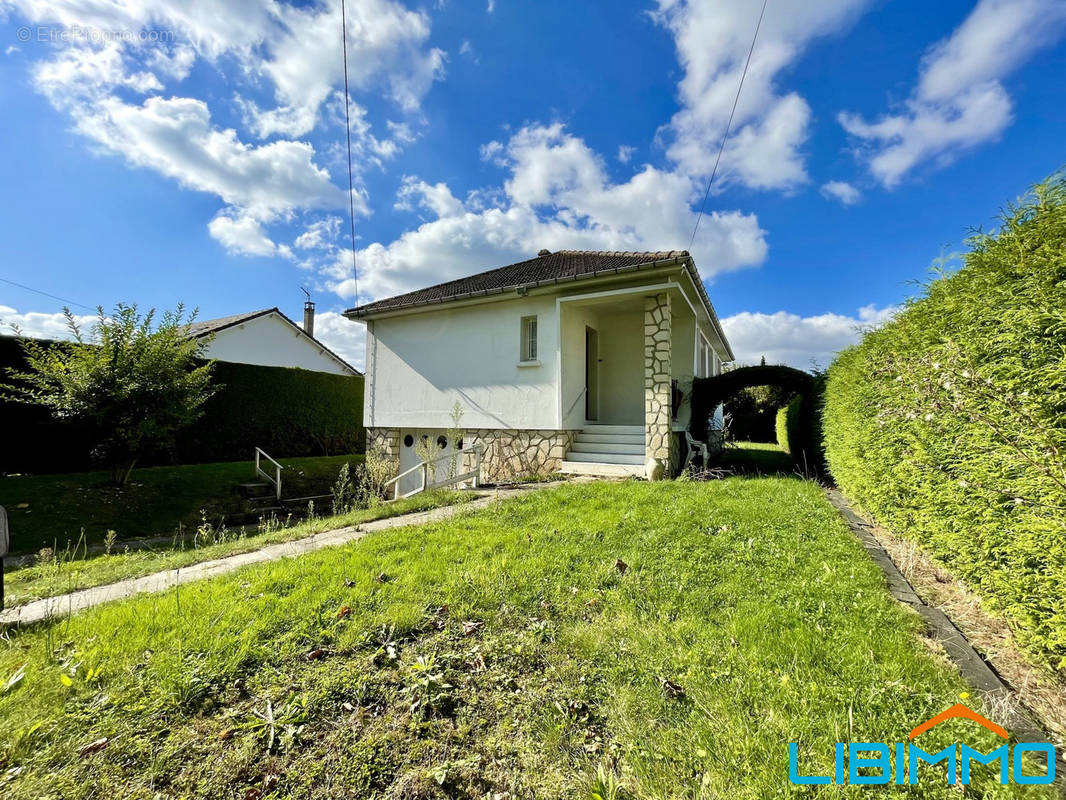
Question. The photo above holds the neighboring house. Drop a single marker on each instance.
(270, 339)
(574, 360)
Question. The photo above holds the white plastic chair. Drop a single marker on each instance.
(694, 447)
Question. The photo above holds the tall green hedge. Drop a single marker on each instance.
(288, 412)
(949, 423)
(790, 426)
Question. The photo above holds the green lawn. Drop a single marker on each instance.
(52, 510)
(500, 653)
(61, 575)
(761, 458)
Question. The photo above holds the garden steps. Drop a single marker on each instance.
(606, 450)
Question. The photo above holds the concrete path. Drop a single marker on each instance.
(62, 605)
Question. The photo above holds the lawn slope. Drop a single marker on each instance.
(55, 510)
(672, 637)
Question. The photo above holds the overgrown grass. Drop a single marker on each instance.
(58, 575)
(53, 510)
(673, 637)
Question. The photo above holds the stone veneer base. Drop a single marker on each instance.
(508, 454)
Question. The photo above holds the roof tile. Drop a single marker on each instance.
(560, 265)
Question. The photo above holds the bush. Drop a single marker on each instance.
(288, 412)
(949, 423)
(787, 427)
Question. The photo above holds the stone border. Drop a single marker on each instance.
(978, 672)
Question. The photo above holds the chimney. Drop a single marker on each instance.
(309, 318)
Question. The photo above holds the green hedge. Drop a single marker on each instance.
(949, 424)
(790, 426)
(805, 437)
(288, 412)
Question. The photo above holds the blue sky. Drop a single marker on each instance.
(193, 151)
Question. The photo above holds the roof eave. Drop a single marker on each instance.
(362, 312)
(694, 274)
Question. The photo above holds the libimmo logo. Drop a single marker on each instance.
(881, 763)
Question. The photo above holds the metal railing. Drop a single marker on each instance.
(275, 479)
(423, 469)
(574, 404)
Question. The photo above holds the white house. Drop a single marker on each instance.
(580, 361)
(270, 339)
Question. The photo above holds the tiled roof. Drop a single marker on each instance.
(202, 328)
(547, 267)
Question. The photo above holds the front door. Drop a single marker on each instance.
(592, 374)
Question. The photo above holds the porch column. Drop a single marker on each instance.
(657, 401)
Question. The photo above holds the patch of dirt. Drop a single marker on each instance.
(1038, 688)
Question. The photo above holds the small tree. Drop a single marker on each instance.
(131, 385)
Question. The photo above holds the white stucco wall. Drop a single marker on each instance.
(272, 342)
(421, 364)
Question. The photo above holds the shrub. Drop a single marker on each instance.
(787, 426)
(949, 423)
(133, 384)
(288, 412)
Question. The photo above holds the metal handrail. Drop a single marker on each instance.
(423, 466)
(276, 480)
(579, 396)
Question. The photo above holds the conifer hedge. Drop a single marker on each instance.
(949, 423)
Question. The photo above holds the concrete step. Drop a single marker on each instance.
(607, 458)
(624, 429)
(601, 468)
(636, 449)
(611, 438)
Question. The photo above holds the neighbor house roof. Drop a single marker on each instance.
(547, 268)
(207, 327)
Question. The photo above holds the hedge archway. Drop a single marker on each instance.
(709, 393)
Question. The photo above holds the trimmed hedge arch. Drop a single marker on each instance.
(803, 438)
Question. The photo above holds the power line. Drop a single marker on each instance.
(46, 294)
(728, 125)
(348, 133)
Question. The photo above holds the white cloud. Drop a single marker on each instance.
(319, 234)
(344, 337)
(295, 50)
(298, 48)
(241, 235)
(842, 191)
(175, 138)
(11, 49)
(492, 6)
(712, 38)
(437, 198)
(557, 195)
(467, 49)
(801, 342)
(42, 325)
(81, 73)
(959, 102)
(625, 153)
(386, 47)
